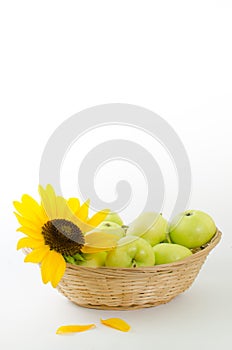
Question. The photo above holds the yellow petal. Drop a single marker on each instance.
(97, 218)
(37, 255)
(116, 323)
(83, 226)
(33, 233)
(74, 328)
(74, 204)
(59, 266)
(46, 268)
(27, 242)
(99, 241)
(56, 207)
(27, 213)
(91, 250)
(52, 268)
(48, 201)
(63, 211)
(83, 212)
(28, 223)
(30, 209)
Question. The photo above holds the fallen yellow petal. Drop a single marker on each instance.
(74, 328)
(116, 323)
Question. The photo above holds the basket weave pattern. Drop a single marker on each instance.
(128, 288)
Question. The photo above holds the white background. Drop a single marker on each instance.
(172, 57)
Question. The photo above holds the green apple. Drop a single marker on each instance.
(131, 252)
(114, 217)
(111, 227)
(92, 260)
(150, 226)
(166, 253)
(192, 229)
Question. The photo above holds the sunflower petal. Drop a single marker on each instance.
(99, 241)
(52, 268)
(28, 242)
(37, 255)
(27, 222)
(48, 200)
(83, 212)
(29, 208)
(74, 328)
(46, 268)
(97, 218)
(59, 268)
(36, 234)
(27, 213)
(92, 250)
(116, 323)
(63, 210)
(74, 204)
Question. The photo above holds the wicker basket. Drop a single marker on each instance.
(128, 288)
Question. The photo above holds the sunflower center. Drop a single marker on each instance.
(63, 236)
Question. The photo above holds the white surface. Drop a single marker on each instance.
(58, 58)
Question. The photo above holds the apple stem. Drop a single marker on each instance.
(125, 227)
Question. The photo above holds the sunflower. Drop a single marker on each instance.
(56, 228)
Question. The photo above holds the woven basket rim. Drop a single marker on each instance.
(210, 245)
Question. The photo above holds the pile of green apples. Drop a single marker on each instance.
(151, 240)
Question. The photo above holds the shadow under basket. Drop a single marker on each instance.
(132, 288)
